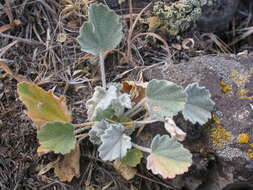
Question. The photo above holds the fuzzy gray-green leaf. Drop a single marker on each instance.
(168, 157)
(57, 136)
(107, 103)
(115, 143)
(199, 104)
(164, 99)
(97, 130)
(102, 32)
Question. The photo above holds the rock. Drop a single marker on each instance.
(216, 15)
(219, 160)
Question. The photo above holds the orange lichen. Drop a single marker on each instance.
(243, 138)
(220, 136)
(225, 88)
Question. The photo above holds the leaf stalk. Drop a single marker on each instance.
(102, 69)
(142, 148)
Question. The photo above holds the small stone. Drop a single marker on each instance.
(61, 37)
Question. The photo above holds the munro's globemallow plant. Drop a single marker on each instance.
(112, 109)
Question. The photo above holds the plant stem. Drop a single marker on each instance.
(102, 69)
(143, 122)
(136, 107)
(138, 110)
(86, 124)
(80, 130)
(142, 148)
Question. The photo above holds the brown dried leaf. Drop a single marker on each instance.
(174, 131)
(124, 170)
(69, 167)
(135, 89)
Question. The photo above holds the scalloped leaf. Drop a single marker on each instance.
(57, 136)
(115, 143)
(107, 103)
(133, 157)
(168, 157)
(164, 99)
(97, 130)
(102, 32)
(199, 104)
(43, 106)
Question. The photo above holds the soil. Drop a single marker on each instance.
(39, 57)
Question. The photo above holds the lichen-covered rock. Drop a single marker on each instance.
(178, 16)
(222, 154)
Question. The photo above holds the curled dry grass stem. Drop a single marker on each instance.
(158, 37)
(130, 34)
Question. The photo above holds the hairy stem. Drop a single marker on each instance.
(102, 69)
(142, 148)
(86, 124)
(138, 110)
(143, 122)
(80, 130)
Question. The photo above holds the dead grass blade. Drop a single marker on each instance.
(224, 48)
(32, 42)
(9, 72)
(10, 26)
(245, 32)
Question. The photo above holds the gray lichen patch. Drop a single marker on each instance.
(178, 16)
(228, 153)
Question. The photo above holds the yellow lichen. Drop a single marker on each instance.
(216, 120)
(220, 136)
(240, 79)
(243, 138)
(242, 93)
(154, 22)
(225, 88)
(250, 155)
(251, 145)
